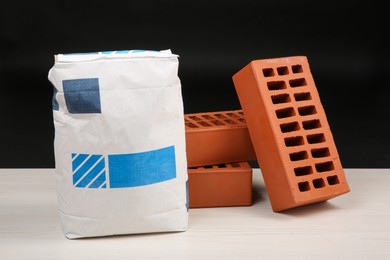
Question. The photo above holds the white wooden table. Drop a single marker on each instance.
(355, 225)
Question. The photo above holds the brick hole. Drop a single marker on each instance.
(318, 183)
(282, 98)
(311, 124)
(285, 112)
(302, 171)
(221, 165)
(315, 138)
(195, 118)
(204, 123)
(220, 116)
(217, 122)
(293, 141)
(207, 117)
(193, 168)
(320, 152)
(235, 165)
(298, 156)
(302, 96)
(242, 120)
(276, 85)
(297, 68)
(231, 122)
(282, 70)
(289, 127)
(304, 186)
(191, 125)
(324, 167)
(333, 180)
(241, 113)
(295, 83)
(308, 110)
(234, 115)
(208, 166)
(268, 72)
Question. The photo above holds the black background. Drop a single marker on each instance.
(345, 42)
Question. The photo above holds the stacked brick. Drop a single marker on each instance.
(217, 137)
(218, 148)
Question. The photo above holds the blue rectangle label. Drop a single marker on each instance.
(82, 95)
(138, 169)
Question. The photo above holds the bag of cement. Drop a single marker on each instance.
(119, 143)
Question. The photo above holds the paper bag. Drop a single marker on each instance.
(119, 143)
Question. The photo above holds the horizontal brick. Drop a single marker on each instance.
(217, 137)
(220, 185)
(290, 132)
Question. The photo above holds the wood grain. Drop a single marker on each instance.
(353, 226)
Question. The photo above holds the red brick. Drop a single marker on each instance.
(290, 132)
(220, 185)
(217, 137)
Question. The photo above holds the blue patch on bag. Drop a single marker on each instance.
(54, 102)
(82, 95)
(123, 170)
(138, 169)
(88, 171)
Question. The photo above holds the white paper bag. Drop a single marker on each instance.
(119, 143)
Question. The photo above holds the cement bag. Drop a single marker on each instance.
(119, 143)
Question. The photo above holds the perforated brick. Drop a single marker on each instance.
(221, 185)
(290, 132)
(217, 137)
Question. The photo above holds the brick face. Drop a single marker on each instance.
(220, 185)
(290, 132)
(217, 137)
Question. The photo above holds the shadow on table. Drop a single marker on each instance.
(311, 209)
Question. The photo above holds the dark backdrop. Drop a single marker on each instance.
(345, 42)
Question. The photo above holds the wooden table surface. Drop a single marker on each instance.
(355, 225)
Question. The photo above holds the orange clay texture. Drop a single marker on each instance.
(221, 185)
(217, 137)
(290, 132)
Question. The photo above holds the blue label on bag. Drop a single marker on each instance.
(123, 170)
(88, 170)
(138, 169)
(54, 101)
(82, 95)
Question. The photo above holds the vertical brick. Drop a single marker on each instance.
(290, 132)
(217, 137)
(220, 185)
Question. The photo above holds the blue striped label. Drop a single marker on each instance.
(88, 171)
(123, 170)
